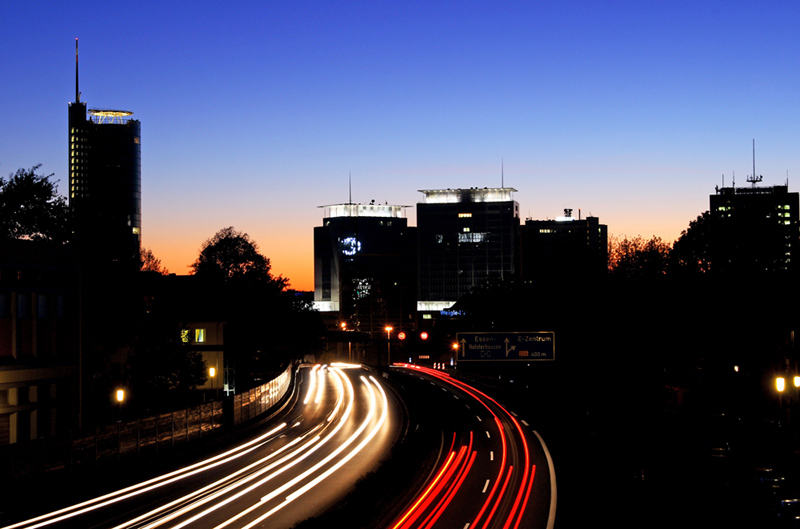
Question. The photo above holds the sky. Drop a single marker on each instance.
(254, 114)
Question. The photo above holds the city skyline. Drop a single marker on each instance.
(255, 116)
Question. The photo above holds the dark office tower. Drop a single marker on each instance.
(364, 263)
(104, 182)
(569, 248)
(754, 230)
(466, 237)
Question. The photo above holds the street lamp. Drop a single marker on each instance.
(780, 385)
(349, 343)
(120, 396)
(388, 330)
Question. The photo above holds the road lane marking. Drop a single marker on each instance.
(485, 486)
(525, 423)
(491, 455)
(487, 434)
(479, 418)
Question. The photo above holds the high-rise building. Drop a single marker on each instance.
(466, 237)
(755, 229)
(364, 264)
(104, 181)
(564, 247)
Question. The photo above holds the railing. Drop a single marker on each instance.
(142, 437)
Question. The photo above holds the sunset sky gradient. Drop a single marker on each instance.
(254, 113)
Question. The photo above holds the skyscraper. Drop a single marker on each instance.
(755, 229)
(563, 248)
(466, 237)
(104, 181)
(364, 266)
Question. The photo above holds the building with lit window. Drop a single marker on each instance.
(565, 247)
(105, 181)
(364, 264)
(755, 229)
(466, 237)
(39, 340)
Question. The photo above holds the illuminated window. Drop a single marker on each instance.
(185, 335)
(464, 215)
(199, 335)
(136, 230)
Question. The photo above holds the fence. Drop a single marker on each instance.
(142, 437)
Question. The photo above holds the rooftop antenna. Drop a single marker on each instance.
(350, 186)
(754, 179)
(502, 174)
(77, 92)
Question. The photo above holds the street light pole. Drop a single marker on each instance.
(388, 330)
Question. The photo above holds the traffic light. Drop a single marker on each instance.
(423, 335)
(401, 335)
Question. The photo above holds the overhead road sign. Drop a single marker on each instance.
(520, 346)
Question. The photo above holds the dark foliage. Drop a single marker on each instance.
(31, 208)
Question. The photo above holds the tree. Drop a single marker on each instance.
(232, 255)
(638, 258)
(31, 208)
(692, 252)
(151, 263)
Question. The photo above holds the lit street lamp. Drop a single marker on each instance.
(780, 385)
(388, 330)
(120, 396)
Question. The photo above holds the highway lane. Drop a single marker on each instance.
(493, 470)
(338, 426)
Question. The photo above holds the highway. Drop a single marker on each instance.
(338, 425)
(492, 471)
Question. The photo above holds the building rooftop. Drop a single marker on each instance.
(363, 210)
(473, 194)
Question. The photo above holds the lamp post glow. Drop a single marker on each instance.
(388, 330)
(780, 385)
(120, 396)
(349, 343)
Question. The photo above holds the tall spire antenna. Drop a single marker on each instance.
(77, 92)
(350, 187)
(502, 173)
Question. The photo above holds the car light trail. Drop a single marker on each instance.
(508, 480)
(346, 425)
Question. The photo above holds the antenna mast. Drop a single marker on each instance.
(77, 92)
(350, 187)
(502, 174)
(754, 179)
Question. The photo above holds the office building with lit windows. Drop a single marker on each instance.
(755, 229)
(105, 181)
(563, 248)
(364, 264)
(466, 237)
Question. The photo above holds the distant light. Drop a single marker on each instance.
(401, 335)
(736, 368)
(423, 335)
(120, 395)
(797, 381)
(780, 384)
(212, 372)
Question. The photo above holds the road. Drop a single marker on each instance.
(493, 470)
(338, 426)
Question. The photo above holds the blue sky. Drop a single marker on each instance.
(254, 113)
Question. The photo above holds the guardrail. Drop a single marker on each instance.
(142, 437)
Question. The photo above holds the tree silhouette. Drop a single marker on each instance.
(151, 263)
(31, 208)
(232, 255)
(638, 258)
